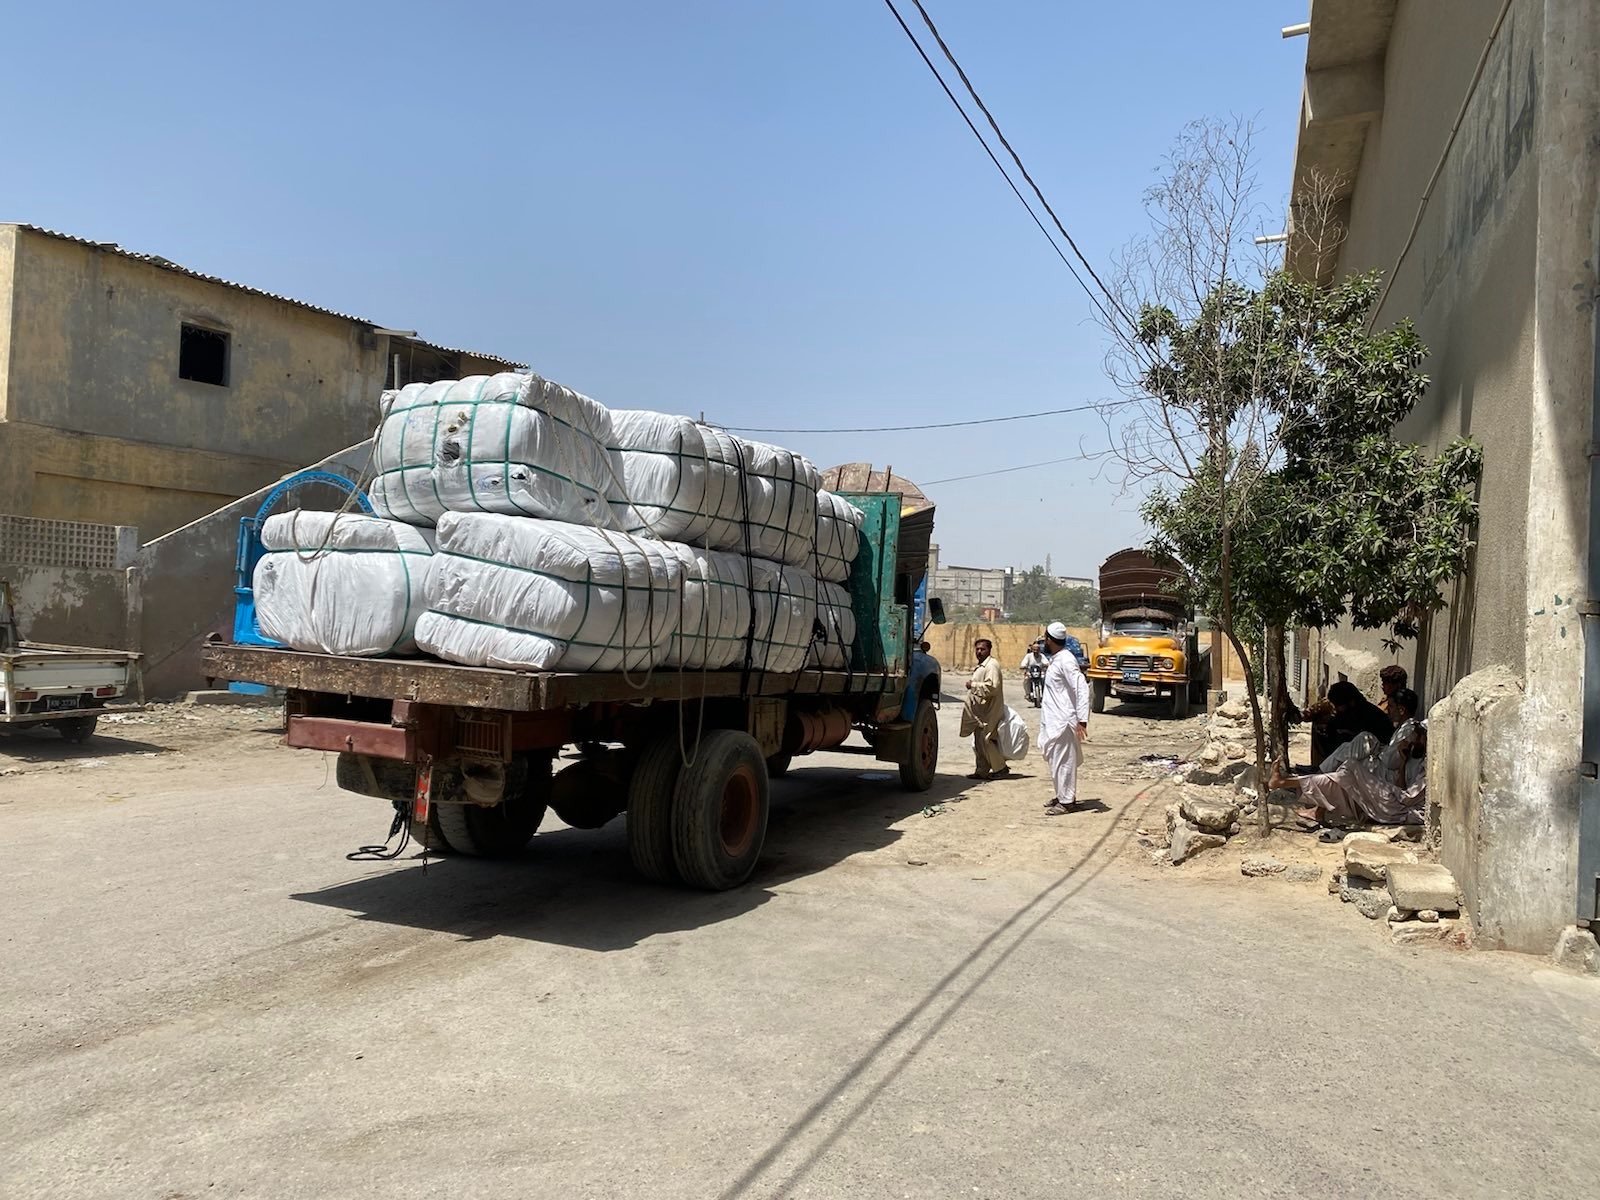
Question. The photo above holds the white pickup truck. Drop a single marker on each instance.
(66, 687)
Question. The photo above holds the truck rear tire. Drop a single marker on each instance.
(77, 730)
(650, 792)
(501, 830)
(917, 772)
(584, 796)
(1180, 702)
(719, 811)
(1099, 693)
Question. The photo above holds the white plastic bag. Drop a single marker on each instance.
(1013, 736)
(510, 443)
(521, 593)
(716, 611)
(837, 621)
(680, 479)
(838, 536)
(341, 583)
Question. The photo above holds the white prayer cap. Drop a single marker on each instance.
(1056, 630)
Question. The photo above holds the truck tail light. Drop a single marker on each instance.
(25, 695)
(105, 691)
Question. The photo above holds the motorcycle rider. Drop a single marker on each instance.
(1034, 663)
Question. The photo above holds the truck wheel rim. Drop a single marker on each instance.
(737, 824)
(928, 749)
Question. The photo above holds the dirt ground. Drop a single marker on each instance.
(997, 826)
(203, 997)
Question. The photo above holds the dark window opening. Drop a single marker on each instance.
(203, 356)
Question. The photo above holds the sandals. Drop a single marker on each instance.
(1056, 809)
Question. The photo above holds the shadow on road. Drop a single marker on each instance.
(789, 1160)
(40, 745)
(576, 888)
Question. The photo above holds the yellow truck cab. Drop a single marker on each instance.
(1148, 648)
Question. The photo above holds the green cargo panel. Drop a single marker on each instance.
(880, 621)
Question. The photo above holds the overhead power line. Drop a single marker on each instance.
(1049, 412)
(1017, 158)
(1049, 462)
(998, 166)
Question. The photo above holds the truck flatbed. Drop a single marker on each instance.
(429, 681)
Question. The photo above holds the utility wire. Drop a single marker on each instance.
(1049, 412)
(998, 166)
(1427, 192)
(1049, 462)
(1016, 158)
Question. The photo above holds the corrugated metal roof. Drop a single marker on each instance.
(166, 264)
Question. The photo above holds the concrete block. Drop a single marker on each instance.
(1368, 899)
(1210, 815)
(1372, 860)
(1258, 866)
(1187, 841)
(1455, 935)
(1507, 826)
(1417, 886)
(1577, 950)
(1303, 873)
(222, 696)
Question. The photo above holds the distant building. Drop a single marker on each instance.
(1072, 581)
(134, 391)
(969, 587)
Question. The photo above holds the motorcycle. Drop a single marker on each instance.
(1033, 686)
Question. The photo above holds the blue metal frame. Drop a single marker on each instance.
(245, 630)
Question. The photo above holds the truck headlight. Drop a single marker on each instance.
(1103, 661)
(1164, 664)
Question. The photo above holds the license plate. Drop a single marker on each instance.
(56, 703)
(1132, 676)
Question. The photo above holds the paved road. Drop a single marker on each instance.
(202, 998)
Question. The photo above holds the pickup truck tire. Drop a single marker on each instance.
(502, 830)
(917, 772)
(1099, 693)
(1180, 702)
(650, 793)
(719, 811)
(77, 730)
(585, 796)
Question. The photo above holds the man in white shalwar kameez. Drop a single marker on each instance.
(1063, 719)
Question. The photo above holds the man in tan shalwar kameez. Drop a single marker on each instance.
(982, 712)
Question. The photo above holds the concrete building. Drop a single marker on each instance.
(973, 588)
(1489, 238)
(134, 391)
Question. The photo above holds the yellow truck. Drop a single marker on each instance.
(1149, 649)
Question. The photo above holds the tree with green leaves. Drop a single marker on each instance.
(1265, 407)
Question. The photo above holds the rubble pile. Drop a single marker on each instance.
(1383, 878)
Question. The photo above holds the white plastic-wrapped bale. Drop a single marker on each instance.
(688, 482)
(781, 497)
(341, 583)
(509, 443)
(680, 479)
(838, 536)
(544, 595)
(716, 610)
(837, 618)
(785, 615)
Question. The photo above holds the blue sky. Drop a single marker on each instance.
(763, 210)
